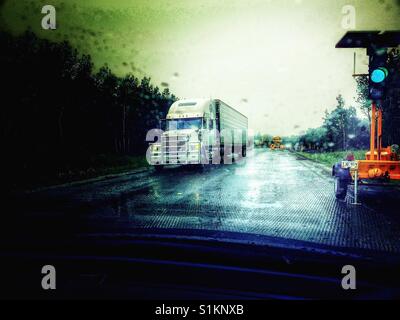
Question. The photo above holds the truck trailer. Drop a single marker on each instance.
(200, 132)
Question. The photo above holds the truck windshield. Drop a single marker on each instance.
(192, 123)
(200, 136)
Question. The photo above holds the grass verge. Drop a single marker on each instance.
(81, 169)
(330, 158)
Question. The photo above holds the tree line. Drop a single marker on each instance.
(342, 129)
(58, 112)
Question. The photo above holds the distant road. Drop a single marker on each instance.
(275, 194)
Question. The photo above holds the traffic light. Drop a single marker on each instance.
(378, 73)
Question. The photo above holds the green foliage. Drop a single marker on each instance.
(58, 112)
(362, 95)
(391, 104)
(340, 125)
(314, 139)
(341, 130)
(330, 158)
(262, 140)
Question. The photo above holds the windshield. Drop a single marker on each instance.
(296, 107)
(178, 124)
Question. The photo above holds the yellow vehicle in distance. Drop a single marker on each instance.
(276, 143)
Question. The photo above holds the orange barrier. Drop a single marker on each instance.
(375, 169)
(380, 162)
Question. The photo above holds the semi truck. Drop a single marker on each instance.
(200, 132)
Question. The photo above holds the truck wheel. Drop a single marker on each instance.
(244, 151)
(340, 187)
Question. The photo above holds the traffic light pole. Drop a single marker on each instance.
(376, 133)
(379, 137)
(356, 188)
(373, 131)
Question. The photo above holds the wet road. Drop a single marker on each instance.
(274, 194)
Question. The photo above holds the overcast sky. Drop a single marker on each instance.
(274, 61)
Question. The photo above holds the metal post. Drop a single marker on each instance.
(379, 133)
(373, 131)
(356, 188)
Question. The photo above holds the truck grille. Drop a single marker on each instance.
(174, 148)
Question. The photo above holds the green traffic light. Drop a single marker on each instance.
(379, 75)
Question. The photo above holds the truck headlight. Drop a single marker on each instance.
(155, 147)
(195, 146)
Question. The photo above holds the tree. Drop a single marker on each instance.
(58, 114)
(336, 124)
(391, 104)
(341, 130)
(362, 96)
